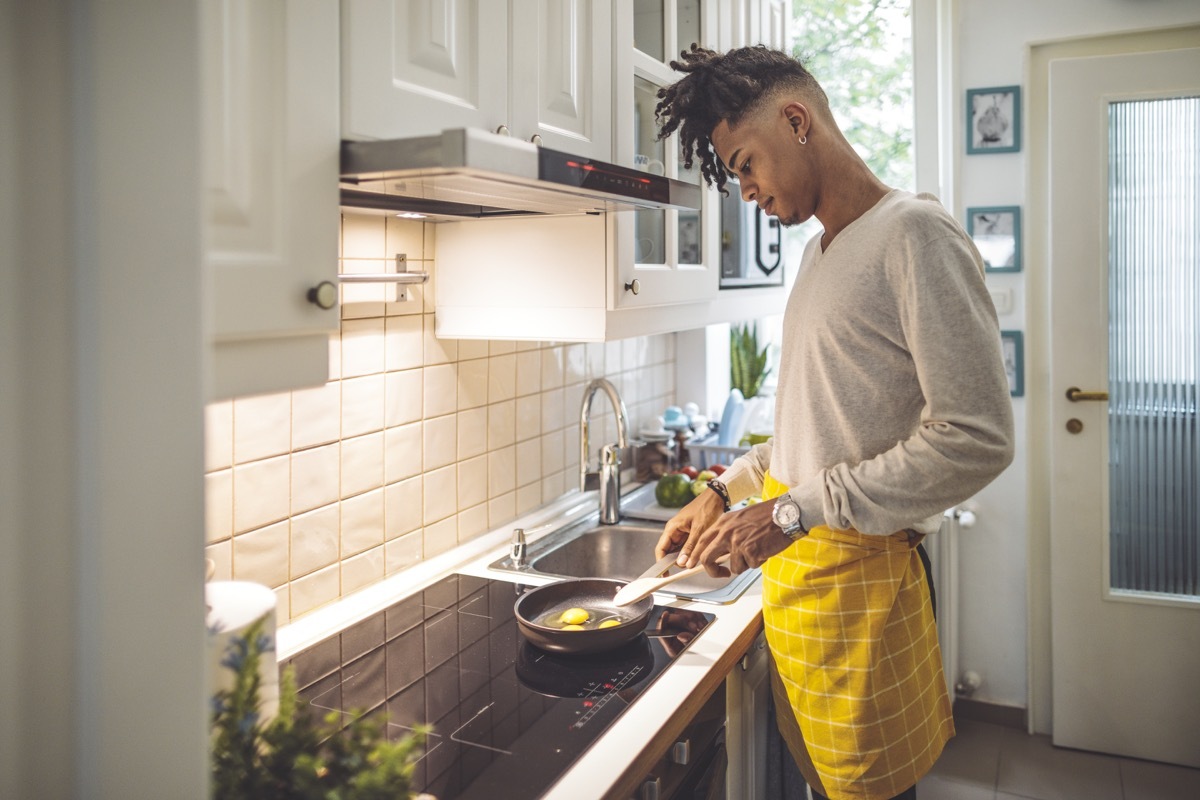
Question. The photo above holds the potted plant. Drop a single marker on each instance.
(747, 371)
(292, 756)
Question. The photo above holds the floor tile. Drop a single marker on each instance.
(1147, 780)
(935, 787)
(1032, 767)
(973, 755)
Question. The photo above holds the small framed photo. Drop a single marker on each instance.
(1013, 348)
(994, 120)
(996, 231)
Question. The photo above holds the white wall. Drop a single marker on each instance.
(991, 43)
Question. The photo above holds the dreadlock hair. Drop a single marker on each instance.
(724, 86)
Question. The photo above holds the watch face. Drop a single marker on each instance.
(786, 513)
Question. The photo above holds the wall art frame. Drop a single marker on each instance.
(1012, 345)
(996, 231)
(994, 120)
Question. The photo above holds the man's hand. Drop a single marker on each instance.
(689, 523)
(749, 535)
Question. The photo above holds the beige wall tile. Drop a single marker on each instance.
(363, 569)
(362, 405)
(283, 604)
(403, 395)
(575, 363)
(364, 236)
(441, 496)
(552, 367)
(316, 477)
(260, 493)
(502, 510)
(529, 372)
(440, 536)
(362, 464)
(403, 552)
(405, 236)
(440, 441)
(363, 350)
(612, 358)
(473, 348)
(402, 507)
(262, 555)
(362, 523)
(529, 416)
(595, 355)
(502, 424)
(364, 299)
(472, 522)
(529, 497)
(221, 554)
(315, 590)
(529, 462)
(218, 505)
(472, 432)
(218, 435)
(315, 540)
(502, 468)
(441, 390)
(402, 452)
(553, 410)
(316, 415)
(502, 378)
(497, 347)
(437, 351)
(472, 482)
(405, 341)
(335, 356)
(552, 452)
(261, 426)
(472, 383)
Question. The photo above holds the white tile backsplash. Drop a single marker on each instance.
(414, 445)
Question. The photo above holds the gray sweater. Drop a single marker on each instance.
(893, 404)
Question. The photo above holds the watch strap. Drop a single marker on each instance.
(722, 492)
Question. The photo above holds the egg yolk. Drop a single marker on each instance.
(610, 623)
(572, 627)
(574, 616)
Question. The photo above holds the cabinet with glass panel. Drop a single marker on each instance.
(661, 257)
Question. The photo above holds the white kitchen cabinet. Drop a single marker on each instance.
(748, 694)
(270, 165)
(660, 257)
(539, 70)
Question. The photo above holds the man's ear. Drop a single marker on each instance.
(798, 117)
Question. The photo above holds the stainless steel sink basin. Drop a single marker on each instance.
(587, 549)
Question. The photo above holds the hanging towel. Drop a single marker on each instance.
(850, 625)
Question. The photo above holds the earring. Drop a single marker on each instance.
(803, 140)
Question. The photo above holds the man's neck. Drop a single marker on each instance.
(856, 190)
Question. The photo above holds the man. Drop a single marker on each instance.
(892, 406)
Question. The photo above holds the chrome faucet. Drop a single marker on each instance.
(608, 478)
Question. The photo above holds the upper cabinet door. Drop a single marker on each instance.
(562, 75)
(270, 165)
(417, 67)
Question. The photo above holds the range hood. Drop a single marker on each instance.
(468, 173)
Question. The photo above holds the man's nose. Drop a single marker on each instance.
(749, 191)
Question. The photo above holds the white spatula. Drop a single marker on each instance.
(643, 587)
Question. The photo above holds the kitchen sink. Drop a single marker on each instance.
(623, 551)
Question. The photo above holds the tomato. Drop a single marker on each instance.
(691, 472)
(717, 468)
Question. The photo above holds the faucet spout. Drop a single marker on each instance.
(608, 477)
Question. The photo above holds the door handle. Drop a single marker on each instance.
(1075, 395)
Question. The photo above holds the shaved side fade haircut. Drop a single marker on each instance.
(725, 86)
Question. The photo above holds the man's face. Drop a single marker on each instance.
(763, 154)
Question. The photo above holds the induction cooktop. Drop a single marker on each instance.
(508, 719)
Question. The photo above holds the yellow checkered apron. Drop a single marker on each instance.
(850, 625)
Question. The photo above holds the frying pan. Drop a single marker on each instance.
(593, 593)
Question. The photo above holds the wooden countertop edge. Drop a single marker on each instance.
(631, 777)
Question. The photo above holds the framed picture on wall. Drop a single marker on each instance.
(1012, 346)
(994, 120)
(996, 231)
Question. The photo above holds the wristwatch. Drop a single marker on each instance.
(786, 515)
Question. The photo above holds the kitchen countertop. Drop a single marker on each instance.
(616, 763)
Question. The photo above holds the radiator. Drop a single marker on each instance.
(943, 555)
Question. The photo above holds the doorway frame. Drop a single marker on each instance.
(1039, 392)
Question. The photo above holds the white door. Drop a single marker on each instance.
(1125, 284)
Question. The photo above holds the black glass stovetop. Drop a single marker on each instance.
(508, 719)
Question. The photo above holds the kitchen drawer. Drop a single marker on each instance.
(692, 756)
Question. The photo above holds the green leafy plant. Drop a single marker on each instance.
(747, 364)
(293, 757)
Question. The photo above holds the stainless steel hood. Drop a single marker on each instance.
(468, 173)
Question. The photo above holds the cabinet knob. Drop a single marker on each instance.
(323, 295)
(634, 286)
(536, 139)
(503, 130)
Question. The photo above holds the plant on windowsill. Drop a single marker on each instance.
(747, 364)
(293, 757)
